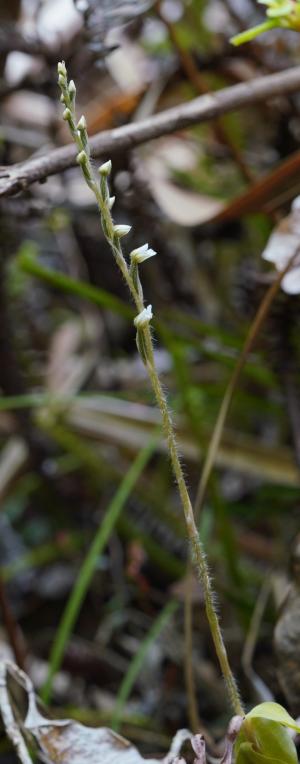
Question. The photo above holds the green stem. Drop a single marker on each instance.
(101, 191)
(197, 551)
(250, 34)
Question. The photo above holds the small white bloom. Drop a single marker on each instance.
(140, 254)
(111, 202)
(122, 230)
(82, 123)
(144, 317)
(105, 168)
(141, 249)
(61, 80)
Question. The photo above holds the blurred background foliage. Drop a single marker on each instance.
(75, 405)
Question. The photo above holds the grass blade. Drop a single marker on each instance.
(138, 660)
(84, 578)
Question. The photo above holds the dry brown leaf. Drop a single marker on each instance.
(63, 741)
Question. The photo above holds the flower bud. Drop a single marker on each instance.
(82, 123)
(111, 202)
(81, 158)
(72, 89)
(61, 68)
(105, 169)
(67, 115)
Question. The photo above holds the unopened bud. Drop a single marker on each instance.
(81, 158)
(67, 115)
(105, 169)
(72, 89)
(61, 68)
(82, 123)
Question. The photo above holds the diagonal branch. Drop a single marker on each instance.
(18, 177)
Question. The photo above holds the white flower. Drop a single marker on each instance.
(121, 230)
(142, 253)
(143, 318)
(111, 201)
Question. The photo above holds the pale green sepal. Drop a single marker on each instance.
(262, 741)
(275, 713)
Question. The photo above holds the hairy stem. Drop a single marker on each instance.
(113, 233)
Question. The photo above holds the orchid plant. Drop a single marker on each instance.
(260, 736)
(280, 13)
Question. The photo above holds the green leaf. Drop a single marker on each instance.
(262, 741)
(275, 713)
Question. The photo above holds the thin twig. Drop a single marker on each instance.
(202, 109)
(225, 405)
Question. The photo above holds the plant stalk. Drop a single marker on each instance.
(113, 234)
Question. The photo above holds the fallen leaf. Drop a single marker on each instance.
(63, 741)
